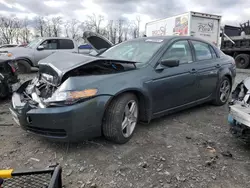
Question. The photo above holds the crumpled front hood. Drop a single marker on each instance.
(58, 64)
(62, 62)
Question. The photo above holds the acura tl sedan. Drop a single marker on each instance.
(77, 97)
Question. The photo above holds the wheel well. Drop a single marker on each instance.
(143, 104)
(27, 60)
(230, 79)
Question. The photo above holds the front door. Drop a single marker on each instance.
(174, 86)
(49, 47)
(208, 65)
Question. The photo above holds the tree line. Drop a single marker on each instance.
(15, 30)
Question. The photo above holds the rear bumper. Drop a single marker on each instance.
(69, 123)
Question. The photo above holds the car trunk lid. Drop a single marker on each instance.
(98, 42)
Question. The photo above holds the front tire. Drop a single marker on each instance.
(23, 67)
(222, 92)
(121, 118)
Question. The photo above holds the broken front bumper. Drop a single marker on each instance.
(241, 114)
(239, 121)
(68, 123)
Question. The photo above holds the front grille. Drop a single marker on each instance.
(47, 132)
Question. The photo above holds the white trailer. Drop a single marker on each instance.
(202, 25)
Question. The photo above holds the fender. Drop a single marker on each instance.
(145, 102)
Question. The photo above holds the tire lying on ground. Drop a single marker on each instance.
(242, 61)
(23, 66)
(120, 118)
(223, 91)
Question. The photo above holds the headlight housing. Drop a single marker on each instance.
(7, 54)
(71, 97)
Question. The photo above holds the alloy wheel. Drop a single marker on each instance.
(225, 90)
(129, 118)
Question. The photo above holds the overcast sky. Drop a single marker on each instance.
(233, 11)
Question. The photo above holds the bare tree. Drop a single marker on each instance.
(48, 28)
(9, 28)
(56, 26)
(120, 30)
(138, 22)
(40, 25)
(126, 30)
(72, 29)
(25, 31)
(94, 22)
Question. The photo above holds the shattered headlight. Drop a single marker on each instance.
(69, 97)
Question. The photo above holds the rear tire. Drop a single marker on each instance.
(223, 91)
(120, 118)
(242, 61)
(23, 67)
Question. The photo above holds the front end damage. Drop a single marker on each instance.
(58, 104)
(239, 111)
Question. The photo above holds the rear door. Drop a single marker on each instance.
(207, 65)
(66, 45)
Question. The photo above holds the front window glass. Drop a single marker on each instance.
(139, 51)
(179, 51)
(34, 43)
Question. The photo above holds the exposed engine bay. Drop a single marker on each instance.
(40, 91)
(239, 110)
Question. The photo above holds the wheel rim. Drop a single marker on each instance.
(129, 118)
(242, 61)
(224, 90)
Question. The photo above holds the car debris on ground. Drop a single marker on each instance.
(239, 111)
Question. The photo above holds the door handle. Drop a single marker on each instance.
(193, 71)
(218, 66)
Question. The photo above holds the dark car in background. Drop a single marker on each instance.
(8, 78)
(78, 96)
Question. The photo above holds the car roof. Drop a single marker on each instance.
(172, 37)
(55, 38)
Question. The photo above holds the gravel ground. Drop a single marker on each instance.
(192, 148)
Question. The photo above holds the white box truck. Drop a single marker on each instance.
(202, 25)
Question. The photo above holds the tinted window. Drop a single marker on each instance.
(50, 44)
(179, 51)
(202, 50)
(66, 44)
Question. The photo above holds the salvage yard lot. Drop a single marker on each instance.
(192, 148)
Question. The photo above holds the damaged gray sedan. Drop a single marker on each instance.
(77, 97)
(239, 111)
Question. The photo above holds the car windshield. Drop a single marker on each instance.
(139, 51)
(34, 43)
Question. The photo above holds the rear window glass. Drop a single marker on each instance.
(66, 44)
(202, 50)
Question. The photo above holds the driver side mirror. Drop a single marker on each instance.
(170, 63)
(167, 63)
(41, 47)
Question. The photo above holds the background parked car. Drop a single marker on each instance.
(38, 49)
(8, 45)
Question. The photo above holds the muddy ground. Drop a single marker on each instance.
(192, 148)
